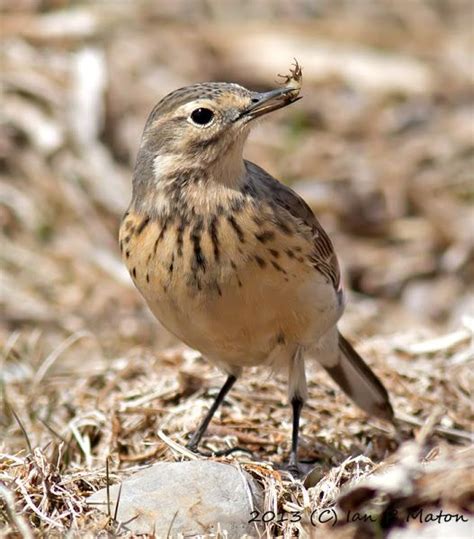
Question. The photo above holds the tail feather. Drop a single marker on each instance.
(359, 382)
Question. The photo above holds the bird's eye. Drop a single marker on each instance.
(202, 116)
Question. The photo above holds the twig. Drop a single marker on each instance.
(140, 456)
(33, 507)
(171, 524)
(174, 445)
(14, 515)
(108, 485)
(56, 353)
(25, 434)
(51, 430)
(429, 426)
(117, 502)
(454, 434)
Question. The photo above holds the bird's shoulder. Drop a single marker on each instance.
(282, 195)
(289, 203)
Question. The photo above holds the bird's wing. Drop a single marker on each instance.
(324, 257)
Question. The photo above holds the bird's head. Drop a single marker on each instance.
(203, 128)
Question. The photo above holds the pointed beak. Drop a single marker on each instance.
(264, 102)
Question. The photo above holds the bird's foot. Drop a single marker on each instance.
(299, 470)
(294, 469)
(221, 453)
(230, 450)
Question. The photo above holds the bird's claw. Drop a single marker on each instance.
(221, 453)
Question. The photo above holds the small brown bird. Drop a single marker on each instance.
(231, 261)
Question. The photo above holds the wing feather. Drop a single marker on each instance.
(323, 258)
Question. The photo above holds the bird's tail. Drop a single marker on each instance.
(359, 382)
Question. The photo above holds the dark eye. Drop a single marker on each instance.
(202, 116)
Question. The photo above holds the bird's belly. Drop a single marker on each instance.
(240, 322)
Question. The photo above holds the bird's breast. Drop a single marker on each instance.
(232, 285)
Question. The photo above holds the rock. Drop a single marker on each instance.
(190, 498)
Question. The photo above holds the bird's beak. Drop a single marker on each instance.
(264, 102)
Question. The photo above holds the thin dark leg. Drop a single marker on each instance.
(297, 405)
(196, 438)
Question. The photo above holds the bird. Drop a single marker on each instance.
(230, 260)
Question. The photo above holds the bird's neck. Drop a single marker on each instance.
(228, 168)
(175, 184)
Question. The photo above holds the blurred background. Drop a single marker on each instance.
(381, 146)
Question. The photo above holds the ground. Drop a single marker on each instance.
(381, 146)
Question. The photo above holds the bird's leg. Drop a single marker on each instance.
(297, 392)
(196, 437)
(296, 404)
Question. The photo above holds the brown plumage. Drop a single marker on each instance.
(230, 260)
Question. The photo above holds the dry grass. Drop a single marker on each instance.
(63, 428)
(89, 378)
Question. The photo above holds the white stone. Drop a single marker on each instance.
(191, 498)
